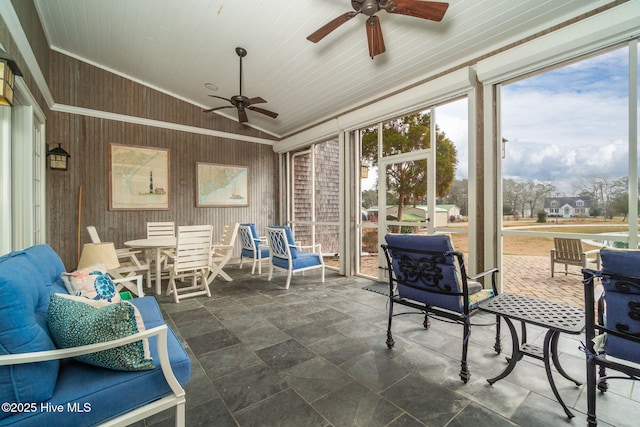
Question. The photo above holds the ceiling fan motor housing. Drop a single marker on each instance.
(367, 7)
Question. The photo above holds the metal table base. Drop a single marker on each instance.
(554, 317)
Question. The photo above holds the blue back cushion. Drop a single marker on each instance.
(426, 277)
(24, 300)
(623, 301)
(49, 265)
(254, 231)
(256, 241)
(290, 240)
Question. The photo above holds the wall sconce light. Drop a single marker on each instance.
(8, 70)
(364, 170)
(58, 158)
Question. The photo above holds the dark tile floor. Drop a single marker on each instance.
(315, 355)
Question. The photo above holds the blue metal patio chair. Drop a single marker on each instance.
(287, 256)
(612, 310)
(425, 273)
(253, 246)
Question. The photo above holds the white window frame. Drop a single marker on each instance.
(609, 28)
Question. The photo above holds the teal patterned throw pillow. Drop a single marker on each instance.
(76, 321)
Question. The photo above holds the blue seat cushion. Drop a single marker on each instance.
(24, 300)
(304, 260)
(623, 302)
(264, 252)
(108, 393)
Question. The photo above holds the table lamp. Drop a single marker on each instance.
(99, 253)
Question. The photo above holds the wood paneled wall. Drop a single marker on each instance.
(87, 139)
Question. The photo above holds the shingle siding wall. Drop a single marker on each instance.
(326, 195)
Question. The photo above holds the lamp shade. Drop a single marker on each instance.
(58, 158)
(99, 253)
(8, 70)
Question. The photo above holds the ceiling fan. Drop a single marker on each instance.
(241, 102)
(431, 10)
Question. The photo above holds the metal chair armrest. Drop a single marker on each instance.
(483, 274)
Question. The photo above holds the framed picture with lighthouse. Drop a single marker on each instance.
(138, 178)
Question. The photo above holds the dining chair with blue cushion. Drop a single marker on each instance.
(253, 246)
(285, 255)
(612, 311)
(427, 274)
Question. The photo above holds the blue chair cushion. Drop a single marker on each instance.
(290, 240)
(304, 260)
(24, 300)
(424, 278)
(433, 243)
(254, 230)
(622, 302)
(264, 253)
(49, 265)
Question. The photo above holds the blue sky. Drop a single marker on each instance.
(563, 125)
(568, 123)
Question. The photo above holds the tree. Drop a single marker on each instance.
(601, 190)
(536, 192)
(512, 197)
(458, 195)
(369, 198)
(408, 180)
(518, 195)
(619, 203)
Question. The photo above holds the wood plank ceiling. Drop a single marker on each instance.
(177, 46)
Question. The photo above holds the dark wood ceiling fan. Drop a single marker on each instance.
(431, 10)
(241, 102)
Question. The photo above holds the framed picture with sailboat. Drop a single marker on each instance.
(221, 185)
(138, 177)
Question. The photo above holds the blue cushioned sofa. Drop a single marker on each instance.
(44, 386)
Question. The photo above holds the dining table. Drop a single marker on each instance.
(157, 245)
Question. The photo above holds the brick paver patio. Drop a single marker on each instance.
(531, 275)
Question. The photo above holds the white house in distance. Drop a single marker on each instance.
(567, 207)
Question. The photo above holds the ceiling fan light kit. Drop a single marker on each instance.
(241, 102)
(431, 10)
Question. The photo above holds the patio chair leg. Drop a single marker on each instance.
(390, 341)
(464, 369)
(286, 285)
(427, 322)
(592, 420)
(464, 372)
(603, 386)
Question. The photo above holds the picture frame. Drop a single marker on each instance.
(220, 185)
(138, 178)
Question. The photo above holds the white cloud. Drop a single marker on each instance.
(568, 123)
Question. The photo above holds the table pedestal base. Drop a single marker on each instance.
(548, 351)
